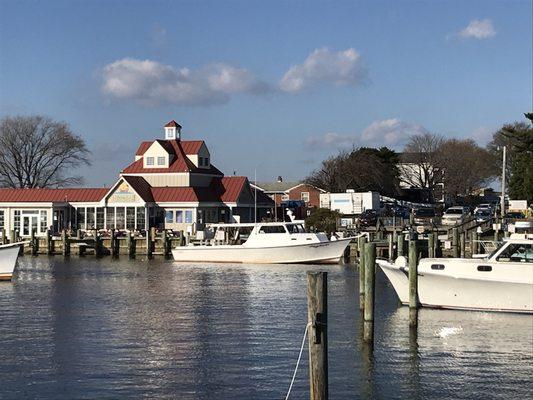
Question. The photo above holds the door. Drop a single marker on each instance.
(29, 224)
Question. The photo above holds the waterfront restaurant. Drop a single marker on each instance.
(171, 184)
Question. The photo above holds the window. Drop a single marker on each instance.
(517, 252)
(110, 218)
(149, 160)
(179, 216)
(80, 217)
(206, 161)
(188, 216)
(44, 221)
(160, 160)
(141, 220)
(169, 216)
(295, 228)
(201, 161)
(305, 196)
(100, 218)
(1, 219)
(272, 229)
(90, 218)
(119, 216)
(130, 218)
(16, 220)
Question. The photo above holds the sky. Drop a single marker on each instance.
(272, 87)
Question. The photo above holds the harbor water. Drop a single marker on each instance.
(84, 328)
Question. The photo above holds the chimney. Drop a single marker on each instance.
(172, 131)
(280, 178)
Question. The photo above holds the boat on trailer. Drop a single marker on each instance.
(8, 260)
(262, 243)
(501, 281)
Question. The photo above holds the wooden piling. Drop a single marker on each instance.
(400, 246)
(97, 244)
(113, 243)
(361, 246)
(49, 243)
(431, 245)
(413, 283)
(455, 242)
(13, 237)
(4, 236)
(149, 247)
(391, 246)
(476, 243)
(130, 243)
(462, 244)
(66, 242)
(370, 282)
(317, 313)
(33, 242)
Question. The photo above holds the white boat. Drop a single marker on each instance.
(502, 281)
(263, 243)
(8, 260)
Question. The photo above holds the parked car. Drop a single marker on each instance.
(485, 206)
(454, 215)
(514, 215)
(483, 214)
(368, 218)
(424, 216)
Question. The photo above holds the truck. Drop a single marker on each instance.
(350, 202)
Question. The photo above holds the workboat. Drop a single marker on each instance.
(264, 243)
(8, 260)
(501, 281)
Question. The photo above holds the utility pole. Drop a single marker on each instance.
(502, 198)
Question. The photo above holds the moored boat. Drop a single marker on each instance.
(8, 260)
(502, 281)
(263, 243)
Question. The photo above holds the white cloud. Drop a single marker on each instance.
(324, 66)
(478, 29)
(151, 82)
(392, 133)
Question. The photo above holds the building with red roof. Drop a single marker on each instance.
(170, 184)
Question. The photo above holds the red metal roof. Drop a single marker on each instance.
(52, 195)
(188, 146)
(141, 187)
(172, 124)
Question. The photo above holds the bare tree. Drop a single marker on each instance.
(36, 151)
(419, 167)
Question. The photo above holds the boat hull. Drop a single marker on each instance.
(8, 260)
(461, 286)
(321, 252)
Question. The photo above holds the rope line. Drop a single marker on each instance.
(298, 361)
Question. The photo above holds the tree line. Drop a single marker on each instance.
(430, 160)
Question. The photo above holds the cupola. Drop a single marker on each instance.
(172, 131)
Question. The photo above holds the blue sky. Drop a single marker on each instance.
(271, 86)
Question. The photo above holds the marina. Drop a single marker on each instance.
(124, 328)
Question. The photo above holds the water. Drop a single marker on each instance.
(108, 329)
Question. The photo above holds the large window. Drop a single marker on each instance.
(100, 218)
(179, 216)
(305, 196)
(169, 216)
(120, 217)
(188, 216)
(517, 252)
(141, 219)
(272, 229)
(16, 220)
(110, 218)
(90, 218)
(130, 218)
(44, 221)
(80, 217)
(1, 219)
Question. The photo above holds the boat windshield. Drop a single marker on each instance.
(272, 229)
(517, 252)
(295, 228)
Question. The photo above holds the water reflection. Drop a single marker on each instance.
(85, 328)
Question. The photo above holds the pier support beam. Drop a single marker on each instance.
(401, 245)
(413, 284)
(317, 317)
(455, 242)
(361, 247)
(462, 243)
(431, 245)
(370, 282)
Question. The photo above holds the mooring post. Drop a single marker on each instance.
(97, 249)
(149, 248)
(4, 237)
(165, 239)
(455, 242)
(113, 242)
(391, 246)
(13, 238)
(476, 243)
(49, 243)
(413, 283)
(131, 244)
(361, 246)
(66, 242)
(400, 246)
(317, 318)
(78, 234)
(431, 245)
(370, 283)
(462, 243)
(33, 242)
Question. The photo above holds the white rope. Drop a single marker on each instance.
(298, 362)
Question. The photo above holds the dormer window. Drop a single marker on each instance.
(161, 161)
(150, 161)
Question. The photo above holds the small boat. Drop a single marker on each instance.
(262, 243)
(8, 260)
(502, 281)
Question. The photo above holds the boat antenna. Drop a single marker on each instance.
(255, 196)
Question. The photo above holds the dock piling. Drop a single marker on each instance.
(431, 245)
(413, 284)
(455, 242)
(361, 247)
(66, 242)
(317, 313)
(400, 246)
(370, 282)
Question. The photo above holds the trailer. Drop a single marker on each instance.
(350, 202)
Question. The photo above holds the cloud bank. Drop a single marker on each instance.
(478, 29)
(391, 132)
(150, 82)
